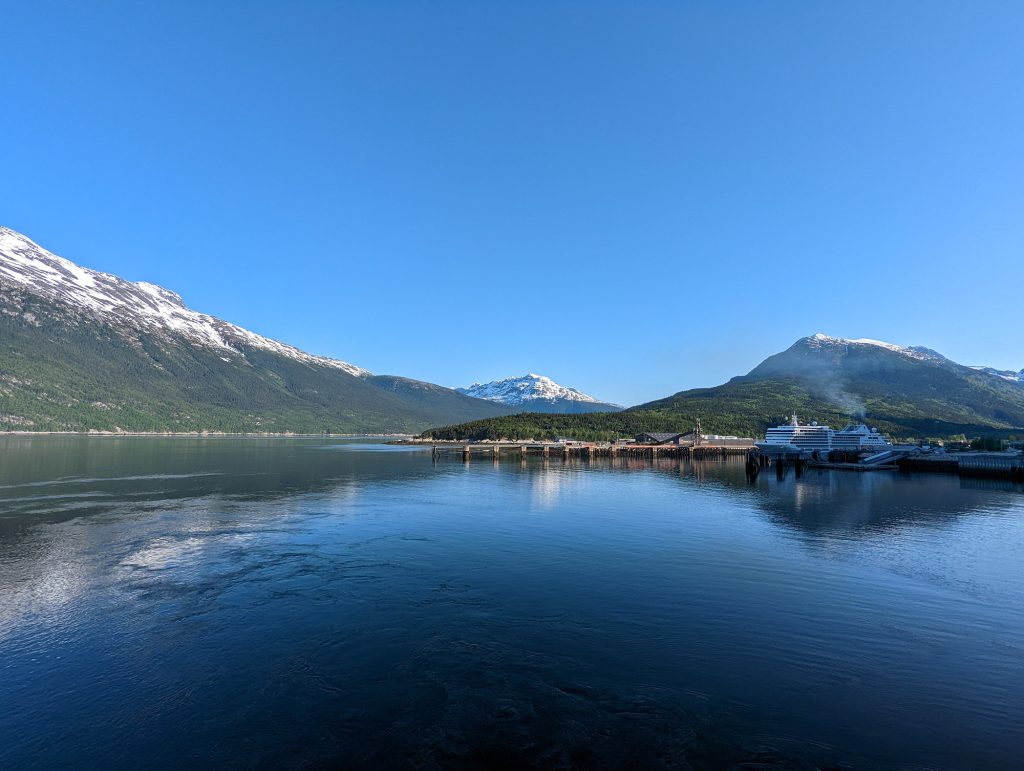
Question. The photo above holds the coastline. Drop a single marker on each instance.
(202, 433)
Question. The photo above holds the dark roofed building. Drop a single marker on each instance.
(657, 437)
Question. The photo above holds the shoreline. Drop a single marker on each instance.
(202, 433)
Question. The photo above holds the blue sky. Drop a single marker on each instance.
(633, 198)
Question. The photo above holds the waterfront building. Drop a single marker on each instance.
(657, 437)
(716, 440)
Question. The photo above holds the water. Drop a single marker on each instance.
(229, 602)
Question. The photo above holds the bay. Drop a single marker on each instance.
(259, 602)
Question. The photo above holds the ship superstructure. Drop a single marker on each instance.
(857, 436)
(797, 437)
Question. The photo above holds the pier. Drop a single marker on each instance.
(1003, 465)
(758, 460)
(523, 450)
(907, 459)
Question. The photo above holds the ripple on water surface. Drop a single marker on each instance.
(295, 602)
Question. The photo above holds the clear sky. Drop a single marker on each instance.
(633, 198)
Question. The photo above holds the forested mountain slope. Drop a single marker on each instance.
(82, 350)
(905, 392)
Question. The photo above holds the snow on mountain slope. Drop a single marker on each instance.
(138, 305)
(921, 353)
(526, 389)
(1005, 374)
(914, 352)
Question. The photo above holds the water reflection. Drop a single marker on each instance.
(821, 501)
(323, 603)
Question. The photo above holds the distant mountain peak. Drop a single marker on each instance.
(135, 305)
(534, 391)
(529, 387)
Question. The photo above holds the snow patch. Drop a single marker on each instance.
(1005, 374)
(523, 390)
(140, 305)
(914, 352)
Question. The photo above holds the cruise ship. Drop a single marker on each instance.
(857, 436)
(795, 437)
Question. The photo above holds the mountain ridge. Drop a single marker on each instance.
(1005, 374)
(907, 391)
(140, 303)
(82, 350)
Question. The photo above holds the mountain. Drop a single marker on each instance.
(1005, 374)
(84, 350)
(911, 390)
(906, 391)
(536, 393)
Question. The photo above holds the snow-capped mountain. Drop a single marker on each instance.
(826, 358)
(537, 393)
(821, 340)
(82, 350)
(140, 305)
(906, 391)
(918, 352)
(1005, 374)
(911, 386)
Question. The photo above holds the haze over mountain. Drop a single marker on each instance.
(537, 393)
(906, 391)
(911, 388)
(82, 350)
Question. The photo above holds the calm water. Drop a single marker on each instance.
(226, 602)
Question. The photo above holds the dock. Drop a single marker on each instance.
(993, 465)
(583, 450)
(900, 458)
(1004, 465)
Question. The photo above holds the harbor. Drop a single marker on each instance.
(1006, 465)
(858, 448)
(991, 465)
(794, 445)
